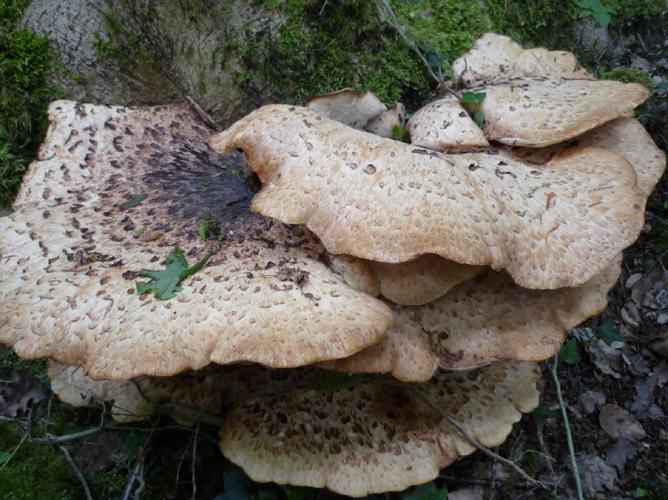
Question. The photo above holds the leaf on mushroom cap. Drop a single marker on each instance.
(348, 106)
(375, 436)
(262, 297)
(537, 113)
(445, 124)
(497, 57)
(421, 280)
(485, 320)
(386, 201)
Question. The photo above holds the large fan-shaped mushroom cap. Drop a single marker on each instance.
(373, 436)
(482, 321)
(115, 190)
(390, 202)
(444, 124)
(353, 435)
(497, 57)
(537, 113)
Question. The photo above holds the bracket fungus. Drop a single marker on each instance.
(114, 191)
(451, 272)
(383, 200)
(365, 435)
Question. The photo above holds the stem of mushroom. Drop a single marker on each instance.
(567, 428)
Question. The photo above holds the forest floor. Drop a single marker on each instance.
(613, 373)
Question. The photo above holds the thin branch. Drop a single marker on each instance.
(567, 428)
(193, 463)
(467, 435)
(77, 471)
(136, 472)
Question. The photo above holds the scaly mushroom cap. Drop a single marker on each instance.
(482, 321)
(115, 190)
(348, 106)
(386, 201)
(497, 57)
(444, 124)
(421, 280)
(625, 136)
(373, 436)
(353, 435)
(538, 113)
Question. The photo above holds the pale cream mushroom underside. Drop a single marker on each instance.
(114, 191)
(356, 436)
(386, 201)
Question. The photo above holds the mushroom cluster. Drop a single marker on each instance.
(327, 309)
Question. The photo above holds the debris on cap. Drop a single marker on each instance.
(114, 192)
(388, 122)
(483, 321)
(386, 201)
(497, 57)
(443, 125)
(538, 113)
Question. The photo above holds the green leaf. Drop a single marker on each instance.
(427, 491)
(570, 352)
(609, 333)
(134, 201)
(208, 229)
(294, 492)
(639, 493)
(398, 133)
(164, 284)
(472, 98)
(328, 381)
(133, 442)
(595, 9)
(542, 414)
(5, 457)
(479, 119)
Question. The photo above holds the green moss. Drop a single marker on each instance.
(629, 75)
(25, 61)
(634, 11)
(35, 471)
(10, 362)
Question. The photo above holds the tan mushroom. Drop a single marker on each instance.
(482, 321)
(443, 125)
(390, 202)
(497, 57)
(538, 113)
(348, 106)
(355, 436)
(115, 191)
(388, 122)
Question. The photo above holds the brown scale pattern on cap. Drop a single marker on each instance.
(386, 201)
(497, 57)
(443, 125)
(485, 320)
(538, 113)
(70, 253)
(371, 435)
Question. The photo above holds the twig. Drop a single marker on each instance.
(567, 428)
(77, 471)
(467, 435)
(127, 492)
(193, 462)
(487, 482)
(16, 449)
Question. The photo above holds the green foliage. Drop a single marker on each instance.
(594, 8)
(164, 284)
(209, 229)
(629, 75)
(426, 491)
(542, 414)
(25, 61)
(634, 11)
(10, 362)
(472, 98)
(609, 333)
(570, 352)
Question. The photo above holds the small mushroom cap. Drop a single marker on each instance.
(538, 113)
(385, 123)
(422, 280)
(497, 57)
(485, 320)
(70, 253)
(444, 124)
(355, 272)
(374, 437)
(348, 106)
(386, 201)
